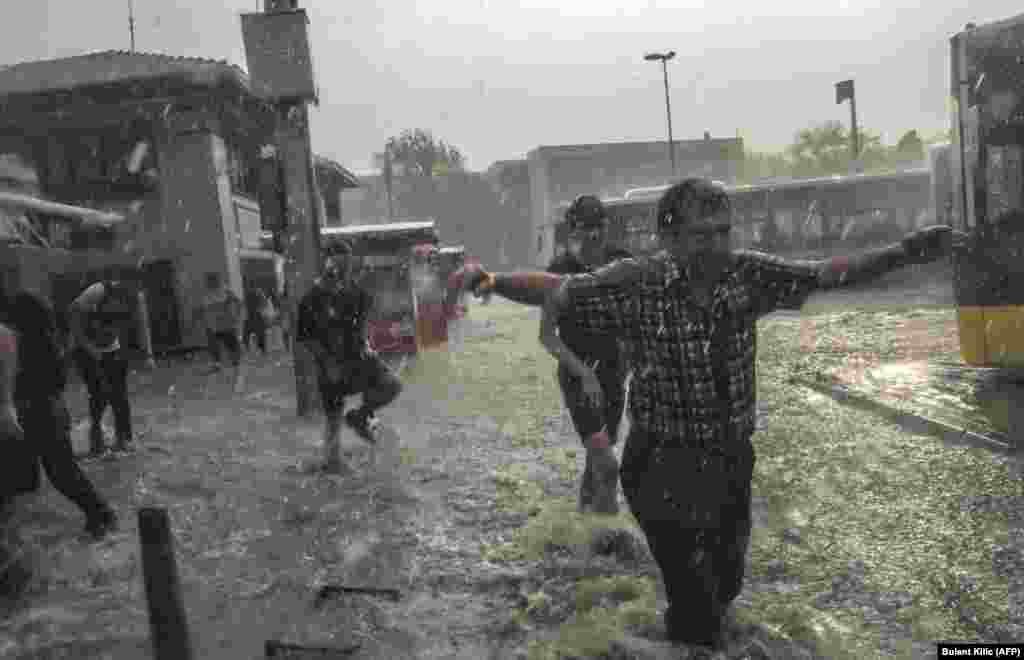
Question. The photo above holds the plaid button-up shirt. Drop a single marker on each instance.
(647, 302)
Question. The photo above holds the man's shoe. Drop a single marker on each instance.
(365, 426)
(604, 482)
(101, 524)
(586, 488)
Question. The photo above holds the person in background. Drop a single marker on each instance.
(221, 313)
(332, 325)
(255, 317)
(43, 413)
(591, 368)
(97, 318)
(689, 315)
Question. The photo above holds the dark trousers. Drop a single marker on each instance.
(229, 340)
(47, 427)
(106, 379)
(586, 418)
(368, 376)
(255, 327)
(702, 567)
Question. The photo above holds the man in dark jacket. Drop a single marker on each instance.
(332, 324)
(591, 368)
(41, 410)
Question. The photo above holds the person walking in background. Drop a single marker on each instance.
(43, 413)
(97, 318)
(332, 325)
(221, 313)
(256, 304)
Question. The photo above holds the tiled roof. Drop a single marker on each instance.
(112, 66)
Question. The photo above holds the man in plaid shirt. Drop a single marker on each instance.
(688, 319)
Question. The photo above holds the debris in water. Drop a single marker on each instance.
(275, 649)
(330, 590)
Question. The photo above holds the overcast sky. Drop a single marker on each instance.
(498, 78)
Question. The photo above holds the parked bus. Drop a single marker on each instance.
(399, 267)
(808, 216)
(988, 190)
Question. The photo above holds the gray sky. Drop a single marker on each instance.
(500, 77)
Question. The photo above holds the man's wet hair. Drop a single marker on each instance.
(586, 212)
(336, 251)
(691, 199)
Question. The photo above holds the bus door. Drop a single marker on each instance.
(430, 292)
(452, 259)
(392, 324)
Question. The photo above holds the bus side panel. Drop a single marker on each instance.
(1004, 339)
(971, 326)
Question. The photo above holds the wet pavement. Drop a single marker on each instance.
(256, 530)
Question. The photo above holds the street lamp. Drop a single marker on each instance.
(664, 58)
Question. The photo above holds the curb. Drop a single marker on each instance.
(912, 421)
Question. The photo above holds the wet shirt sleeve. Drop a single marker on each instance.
(598, 302)
(779, 283)
(90, 299)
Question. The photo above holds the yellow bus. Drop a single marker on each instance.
(987, 163)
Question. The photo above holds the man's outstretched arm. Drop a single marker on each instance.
(923, 246)
(525, 288)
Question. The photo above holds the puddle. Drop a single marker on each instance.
(357, 549)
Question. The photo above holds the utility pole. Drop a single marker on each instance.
(279, 58)
(131, 23)
(844, 92)
(664, 58)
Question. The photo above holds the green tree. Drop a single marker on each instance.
(825, 149)
(418, 153)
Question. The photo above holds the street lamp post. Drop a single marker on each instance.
(664, 58)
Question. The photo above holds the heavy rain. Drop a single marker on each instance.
(526, 347)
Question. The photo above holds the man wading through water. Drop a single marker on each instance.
(590, 365)
(332, 324)
(688, 316)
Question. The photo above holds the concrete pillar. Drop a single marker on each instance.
(197, 212)
(303, 244)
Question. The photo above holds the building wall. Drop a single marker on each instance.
(558, 174)
(197, 225)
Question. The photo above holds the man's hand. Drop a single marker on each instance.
(935, 242)
(592, 388)
(10, 428)
(471, 277)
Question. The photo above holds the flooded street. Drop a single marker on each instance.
(469, 518)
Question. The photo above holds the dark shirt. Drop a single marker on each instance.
(255, 302)
(337, 320)
(107, 311)
(674, 347)
(587, 344)
(42, 369)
